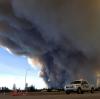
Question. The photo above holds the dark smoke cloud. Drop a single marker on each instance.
(62, 35)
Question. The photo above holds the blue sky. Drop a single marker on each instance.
(13, 69)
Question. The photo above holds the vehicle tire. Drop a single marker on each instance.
(79, 91)
(92, 90)
(67, 92)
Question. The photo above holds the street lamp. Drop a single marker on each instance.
(25, 79)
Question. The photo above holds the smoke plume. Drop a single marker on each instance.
(61, 36)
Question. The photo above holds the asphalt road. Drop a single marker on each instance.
(61, 96)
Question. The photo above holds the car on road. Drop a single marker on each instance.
(79, 86)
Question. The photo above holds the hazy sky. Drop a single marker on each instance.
(61, 36)
(13, 69)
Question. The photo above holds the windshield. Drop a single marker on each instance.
(76, 82)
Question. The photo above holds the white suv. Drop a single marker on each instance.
(78, 86)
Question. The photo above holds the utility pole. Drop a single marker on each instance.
(98, 79)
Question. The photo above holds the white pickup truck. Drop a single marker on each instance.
(79, 86)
